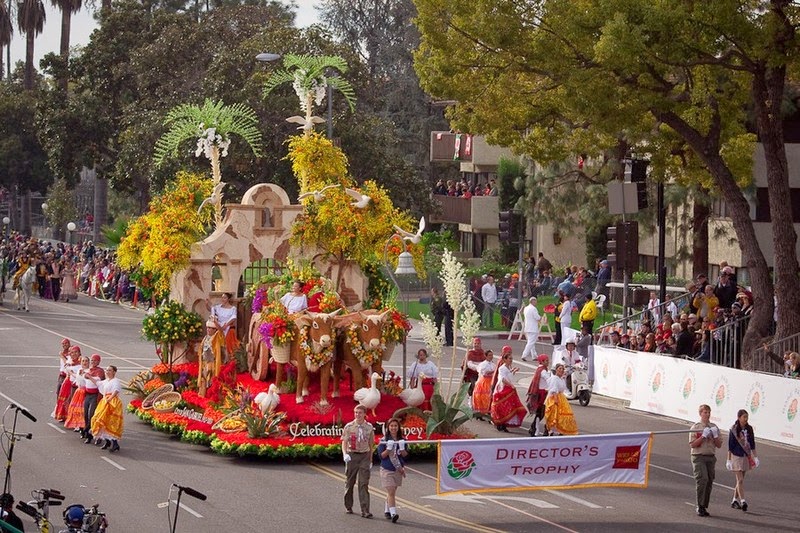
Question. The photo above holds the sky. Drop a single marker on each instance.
(83, 24)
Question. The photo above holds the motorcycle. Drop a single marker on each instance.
(578, 384)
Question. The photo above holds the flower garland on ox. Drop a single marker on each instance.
(366, 357)
(314, 360)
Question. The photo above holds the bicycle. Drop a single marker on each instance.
(39, 507)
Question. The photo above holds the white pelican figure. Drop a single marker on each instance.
(305, 125)
(318, 195)
(268, 401)
(370, 396)
(414, 396)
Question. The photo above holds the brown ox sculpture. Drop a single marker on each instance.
(321, 335)
(367, 326)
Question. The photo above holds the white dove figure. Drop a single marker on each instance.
(215, 198)
(361, 200)
(268, 401)
(318, 195)
(305, 125)
(414, 396)
(412, 237)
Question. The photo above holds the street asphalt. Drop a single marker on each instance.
(249, 495)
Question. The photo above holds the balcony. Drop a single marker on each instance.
(477, 214)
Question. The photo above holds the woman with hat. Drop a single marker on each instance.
(212, 355)
(537, 394)
(507, 409)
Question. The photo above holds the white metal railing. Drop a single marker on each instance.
(769, 357)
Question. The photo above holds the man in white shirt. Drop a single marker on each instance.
(532, 319)
(489, 297)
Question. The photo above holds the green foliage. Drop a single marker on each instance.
(259, 425)
(311, 73)
(651, 278)
(445, 417)
(60, 205)
(113, 233)
(189, 121)
(172, 323)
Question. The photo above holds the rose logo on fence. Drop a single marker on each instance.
(461, 465)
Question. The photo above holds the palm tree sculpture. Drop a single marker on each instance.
(30, 20)
(6, 31)
(309, 77)
(212, 125)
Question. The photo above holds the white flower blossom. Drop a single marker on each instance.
(432, 338)
(454, 279)
(469, 323)
(207, 139)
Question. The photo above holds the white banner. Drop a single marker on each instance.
(614, 372)
(677, 387)
(581, 461)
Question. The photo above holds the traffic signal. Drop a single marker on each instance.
(612, 246)
(628, 234)
(639, 177)
(622, 246)
(509, 226)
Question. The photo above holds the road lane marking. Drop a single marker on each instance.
(541, 519)
(574, 499)
(684, 474)
(15, 402)
(408, 504)
(189, 510)
(475, 498)
(89, 346)
(112, 463)
(56, 427)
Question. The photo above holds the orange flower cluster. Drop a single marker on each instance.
(153, 384)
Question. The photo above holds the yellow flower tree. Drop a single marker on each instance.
(158, 242)
(344, 227)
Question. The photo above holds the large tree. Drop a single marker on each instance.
(67, 8)
(558, 78)
(6, 32)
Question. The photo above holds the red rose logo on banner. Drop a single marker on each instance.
(461, 465)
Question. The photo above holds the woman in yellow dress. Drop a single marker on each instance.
(557, 411)
(107, 420)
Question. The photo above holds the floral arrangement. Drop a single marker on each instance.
(329, 302)
(172, 323)
(397, 327)
(276, 328)
(366, 357)
(391, 384)
(259, 300)
(314, 360)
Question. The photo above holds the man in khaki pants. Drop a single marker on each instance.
(704, 439)
(358, 441)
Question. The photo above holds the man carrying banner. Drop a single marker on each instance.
(537, 394)
(704, 440)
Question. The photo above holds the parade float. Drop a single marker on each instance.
(290, 387)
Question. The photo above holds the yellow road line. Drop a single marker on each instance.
(411, 505)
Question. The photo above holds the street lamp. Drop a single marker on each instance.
(405, 265)
(6, 222)
(70, 228)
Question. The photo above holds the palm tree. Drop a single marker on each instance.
(309, 75)
(6, 32)
(67, 7)
(30, 20)
(212, 126)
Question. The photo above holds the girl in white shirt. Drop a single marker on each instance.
(557, 412)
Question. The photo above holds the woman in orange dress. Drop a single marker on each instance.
(482, 395)
(75, 410)
(224, 314)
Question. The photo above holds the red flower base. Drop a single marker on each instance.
(290, 443)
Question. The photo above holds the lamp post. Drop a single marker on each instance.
(70, 228)
(6, 222)
(405, 265)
